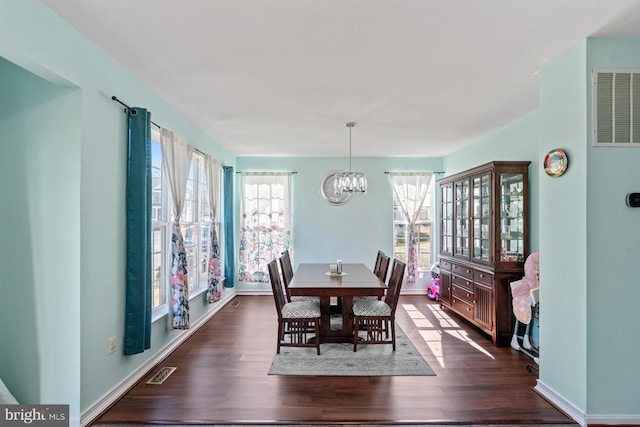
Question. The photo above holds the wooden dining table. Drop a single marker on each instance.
(356, 280)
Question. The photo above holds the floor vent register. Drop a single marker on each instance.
(162, 375)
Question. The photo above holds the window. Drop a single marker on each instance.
(160, 201)
(195, 225)
(408, 196)
(266, 223)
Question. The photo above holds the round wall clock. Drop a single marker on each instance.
(555, 162)
(328, 193)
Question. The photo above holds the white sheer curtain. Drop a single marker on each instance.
(266, 222)
(411, 189)
(176, 156)
(214, 271)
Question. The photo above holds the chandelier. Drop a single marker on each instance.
(350, 182)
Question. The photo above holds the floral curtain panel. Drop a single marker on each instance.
(411, 188)
(176, 156)
(265, 231)
(214, 271)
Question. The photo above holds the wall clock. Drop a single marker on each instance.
(328, 192)
(555, 162)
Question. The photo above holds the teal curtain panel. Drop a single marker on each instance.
(137, 328)
(229, 257)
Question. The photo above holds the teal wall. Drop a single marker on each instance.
(613, 251)
(40, 229)
(352, 232)
(67, 269)
(563, 231)
(586, 236)
(62, 164)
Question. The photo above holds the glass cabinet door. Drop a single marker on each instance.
(461, 193)
(446, 227)
(512, 217)
(481, 218)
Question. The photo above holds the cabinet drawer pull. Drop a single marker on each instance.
(468, 295)
(468, 271)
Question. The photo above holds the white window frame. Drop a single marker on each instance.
(192, 217)
(398, 219)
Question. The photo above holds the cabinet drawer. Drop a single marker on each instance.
(462, 271)
(462, 307)
(462, 282)
(463, 294)
(445, 265)
(482, 277)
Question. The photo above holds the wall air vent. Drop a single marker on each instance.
(616, 112)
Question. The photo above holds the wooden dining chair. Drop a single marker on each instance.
(287, 275)
(376, 266)
(380, 270)
(378, 317)
(295, 319)
(383, 268)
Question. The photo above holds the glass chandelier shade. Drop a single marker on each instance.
(350, 182)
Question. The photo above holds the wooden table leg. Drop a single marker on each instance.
(347, 320)
(325, 320)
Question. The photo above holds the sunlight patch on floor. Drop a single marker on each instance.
(433, 337)
(462, 336)
(443, 318)
(434, 341)
(416, 315)
(458, 332)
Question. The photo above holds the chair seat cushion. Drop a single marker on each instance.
(370, 297)
(298, 299)
(300, 310)
(371, 307)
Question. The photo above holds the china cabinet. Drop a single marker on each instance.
(484, 214)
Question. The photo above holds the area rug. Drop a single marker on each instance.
(339, 359)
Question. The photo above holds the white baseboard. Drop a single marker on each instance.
(255, 292)
(614, 419)
(95, 410)
(561, 403)
(414, 292)
(579, 416)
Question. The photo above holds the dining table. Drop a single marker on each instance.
(316, 279)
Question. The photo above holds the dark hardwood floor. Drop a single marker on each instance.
(222, 379)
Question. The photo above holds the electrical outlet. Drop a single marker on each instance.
(111, 345)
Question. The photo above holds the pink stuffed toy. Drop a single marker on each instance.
(521, 289)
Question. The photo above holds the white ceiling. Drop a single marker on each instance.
(282, 77)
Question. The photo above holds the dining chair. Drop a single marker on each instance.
(287, 275)
(377, 317)
(380, 270)
(383, 268)
(376, 266)
(294, 318)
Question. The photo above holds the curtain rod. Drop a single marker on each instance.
(115, 98)
(387, 172)
(292, 173)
